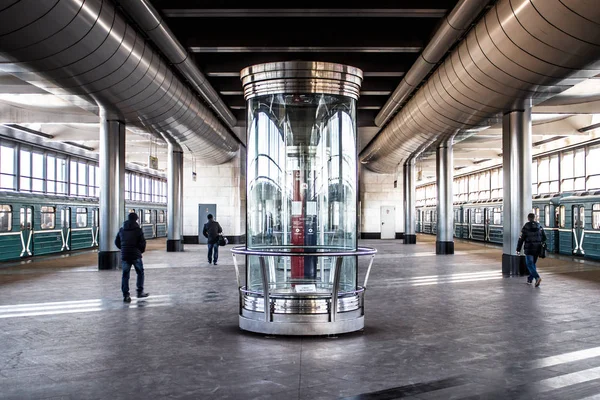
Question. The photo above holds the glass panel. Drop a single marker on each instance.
(566, 165)
(536, 211)
(25, 181)
(579, 167)
(567, 184)
(497, 216)
(582, 217)
(544, 188)
(82, 217)
(593, 182)
(47, 217)
(61, 176)
(546, 215)
(596, 216)
(73, 178)
(303, 188)
(7, 159)
(37, 184)
(554, 168)
(478, 216)
(593, 166)
(562, 216)
(543, 169)
(554, 187)
(147, 217)
(22, 218)
(5, 218)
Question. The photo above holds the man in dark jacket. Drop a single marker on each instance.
(132, 243)
(533, 236)
(211, 231)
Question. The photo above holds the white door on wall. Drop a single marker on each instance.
(388, 222)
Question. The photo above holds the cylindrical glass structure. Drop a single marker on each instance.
(301, 180)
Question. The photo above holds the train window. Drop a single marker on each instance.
(536, 211)
(96, 217)
(582, 216)
(147, 217)
(478, 216)
(48, 217)
(497, 216)
(81, 217)
(596, 216)
(546, 215)
(5, 218)
(562, 216)
(161, 217)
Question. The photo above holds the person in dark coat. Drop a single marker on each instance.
(532, 235)
(211, 231)
(130, 240)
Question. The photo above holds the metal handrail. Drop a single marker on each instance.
(327, 251)
(275, 251)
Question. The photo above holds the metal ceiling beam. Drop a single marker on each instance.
(305, 13)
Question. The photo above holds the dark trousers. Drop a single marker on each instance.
(139, 269)
(213, 252)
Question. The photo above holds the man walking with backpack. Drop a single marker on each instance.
(533, 236)
(130, 240)
(211, 231)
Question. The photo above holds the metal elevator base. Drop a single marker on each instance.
(304, 328)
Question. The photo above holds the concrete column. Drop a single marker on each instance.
(445, 215)
(516, 149)
(175, 199)
(409, 188)
(112, 188)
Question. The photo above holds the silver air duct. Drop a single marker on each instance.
(454, 25)
(85, 50)
(151, 22)
(521, 49)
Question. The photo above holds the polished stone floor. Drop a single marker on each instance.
(437, 327)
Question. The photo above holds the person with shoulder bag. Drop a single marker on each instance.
(534, 239)
(212, 231)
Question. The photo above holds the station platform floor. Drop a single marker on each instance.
(437, 327)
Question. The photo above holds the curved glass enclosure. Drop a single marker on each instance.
(301, 188)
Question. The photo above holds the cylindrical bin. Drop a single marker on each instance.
(301, 250)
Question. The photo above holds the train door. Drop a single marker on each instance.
(487, 220)
(578, 218)
(470, 214)
(95, 219)
(65, 230)
(26, 221)
(154, 221)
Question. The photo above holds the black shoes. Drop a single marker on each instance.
(127, 299)
(538, 281)
(142, 294)
(215, 263)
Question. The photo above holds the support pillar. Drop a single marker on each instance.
(445, 215)
(409, 188)
(112, 188)
(516, 149)
(175, 199)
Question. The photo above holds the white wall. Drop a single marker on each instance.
(377, 190)
(223, 185)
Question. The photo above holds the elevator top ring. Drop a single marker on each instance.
(301, 77)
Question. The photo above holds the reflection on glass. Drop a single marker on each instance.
(81, 217)
(47, 217)
(5, 218)
(301, 174)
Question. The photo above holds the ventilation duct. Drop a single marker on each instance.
(86, 51)
(151, 22)
(520, 50)
(454, 25)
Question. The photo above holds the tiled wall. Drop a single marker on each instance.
(377, 190)
(224, 185)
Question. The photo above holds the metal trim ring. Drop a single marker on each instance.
(301, 77)
(293, 251)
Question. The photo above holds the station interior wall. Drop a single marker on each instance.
(223, 185)
(376, 191)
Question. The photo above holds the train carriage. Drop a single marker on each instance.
(34, 224)
(579, 224)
